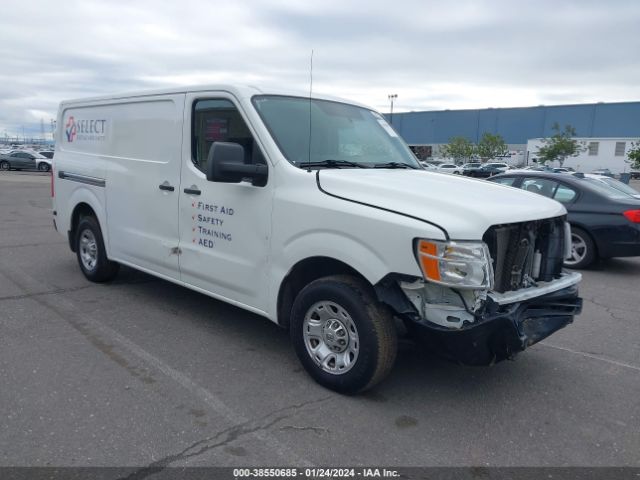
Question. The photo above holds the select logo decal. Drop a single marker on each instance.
(91, 130)
(71, 130)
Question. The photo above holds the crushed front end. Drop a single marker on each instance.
(482, 302)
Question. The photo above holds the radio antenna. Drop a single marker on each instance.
(310, 93)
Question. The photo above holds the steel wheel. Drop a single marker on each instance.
(92, 256)
(331, 337)
(88, 249)
(345, 339)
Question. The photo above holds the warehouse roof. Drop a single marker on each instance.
(517, 125)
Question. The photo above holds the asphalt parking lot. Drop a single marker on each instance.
(141, 372)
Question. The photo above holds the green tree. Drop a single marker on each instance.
(560, 145)
(634, 155)
(491, 146)
(458, 148)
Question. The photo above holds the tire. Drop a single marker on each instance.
(92, 256)
(583, 250)
(4, 165)
(343, 309)
(44, 167)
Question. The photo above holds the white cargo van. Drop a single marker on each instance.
(311, 212)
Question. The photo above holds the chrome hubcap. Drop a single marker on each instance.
(331, 337)
(88, 249)
(578, 250)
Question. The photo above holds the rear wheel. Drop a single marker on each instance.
(583, 250)
(4, 165)
(343, 337)
(92, 256)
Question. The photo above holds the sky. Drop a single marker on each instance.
(433, 55)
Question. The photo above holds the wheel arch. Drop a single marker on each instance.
(85, 202)
(304, 272)
(588, 231)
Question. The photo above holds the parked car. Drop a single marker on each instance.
(486, 170)
(17, 160)
(467, 167)
(612, 182)
(428, 166)
(47, 153)
(603, 171)
(605, 222)
(503, 167)
(538, 168)
(449, 168)
(23, 159)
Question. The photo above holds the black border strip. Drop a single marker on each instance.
(75, 177)
(446, 235)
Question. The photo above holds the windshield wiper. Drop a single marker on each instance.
(332, 164)
(394, 165)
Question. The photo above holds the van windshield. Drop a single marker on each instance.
(341, 135)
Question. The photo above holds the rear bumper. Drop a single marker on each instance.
(501, 331)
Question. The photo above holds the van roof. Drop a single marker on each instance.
(239, 91)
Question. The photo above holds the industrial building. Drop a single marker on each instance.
(600, 123)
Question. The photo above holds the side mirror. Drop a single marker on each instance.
(225, 163)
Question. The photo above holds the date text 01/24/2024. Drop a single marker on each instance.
(315, 472)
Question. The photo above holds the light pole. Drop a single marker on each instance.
(392, 97)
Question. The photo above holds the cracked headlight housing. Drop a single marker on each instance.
(465, 265)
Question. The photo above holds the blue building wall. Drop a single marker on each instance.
(517, 125)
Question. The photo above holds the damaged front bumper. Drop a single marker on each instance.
(503, 330)
(482, 329)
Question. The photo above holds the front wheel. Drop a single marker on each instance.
(344, 338)
(92, 256)
(44, 167)
(583, 250)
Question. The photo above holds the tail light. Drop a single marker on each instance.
(632, 215)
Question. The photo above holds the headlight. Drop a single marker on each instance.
(456, 264)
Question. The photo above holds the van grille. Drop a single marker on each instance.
(525, 253)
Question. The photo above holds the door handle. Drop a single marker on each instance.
(192, 191)
(165, 186)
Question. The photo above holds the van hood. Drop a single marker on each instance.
(464, 207)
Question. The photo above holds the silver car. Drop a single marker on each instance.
(17, 161)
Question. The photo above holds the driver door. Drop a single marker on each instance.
(225, 228)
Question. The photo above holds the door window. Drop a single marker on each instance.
(218, 120)
(564, 194)
(541, 186)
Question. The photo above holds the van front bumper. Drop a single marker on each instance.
(502, 330)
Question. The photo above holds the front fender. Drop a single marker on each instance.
(338, 245)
